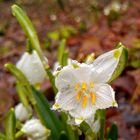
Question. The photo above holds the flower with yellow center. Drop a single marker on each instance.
(83, 88)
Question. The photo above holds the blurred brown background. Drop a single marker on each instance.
(88, 27)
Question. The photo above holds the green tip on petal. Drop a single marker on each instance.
(75, 66)
(123, 58)
(119, 45)
(117, 54)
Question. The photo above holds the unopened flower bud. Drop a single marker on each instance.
(35, 130)
(32, 68)
(22, 114)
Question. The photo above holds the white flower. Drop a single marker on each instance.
(83, 88)
(32, 68)
(35, 130)
(22, 114)
(115, 6)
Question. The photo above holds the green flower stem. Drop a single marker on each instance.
(22, 93)
(19, 134)
(22, 79)
(65, 58)
(61, 50)
(51, 78)
(28, 28)
(102, 122)
(85, 128)
(18, 124)
(70, 132)
(2, 136)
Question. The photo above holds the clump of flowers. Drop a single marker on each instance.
(82, 92)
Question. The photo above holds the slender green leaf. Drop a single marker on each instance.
(102, 122)
(112, 132)
(70, 133)
(51, 78)
(22, 94)
(10, 125)
(19, 134)
(22, 79)
(61, 50)
(2, 136)
(48, 117)
(65, 58)
(28, 28)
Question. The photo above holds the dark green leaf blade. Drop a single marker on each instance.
(47, 116)
(112, 132)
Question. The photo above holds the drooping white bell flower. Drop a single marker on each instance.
(83, 88)
(32, 68)
(22, 114)
(35, 130)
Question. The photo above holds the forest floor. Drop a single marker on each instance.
(87, 30)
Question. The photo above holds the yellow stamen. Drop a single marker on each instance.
(91, 84)
(92, 96)
(78, 95)
(77, 86)
(84, 86)
(84, 101)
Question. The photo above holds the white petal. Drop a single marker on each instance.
(104, 66)
(65, 101)
(105, 96)
(70, 76)
(31, 66)
(82, 113)
(83, 72)
(66, 79)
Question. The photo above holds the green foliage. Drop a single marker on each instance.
(62, 32)
(112, 133)
(51, 78)
(134, 57)
(61, 49)
(2, 136)
(28, 28)
(47, 116)
(10, 125)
